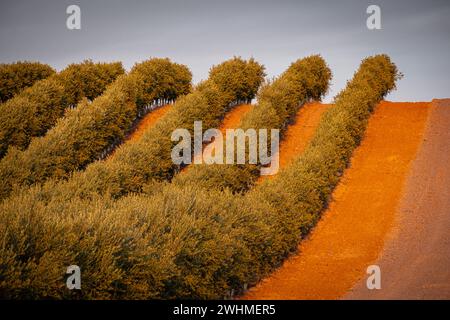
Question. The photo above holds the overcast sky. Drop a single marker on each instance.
(416, 34)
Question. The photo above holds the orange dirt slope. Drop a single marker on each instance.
(352, 231)
(231, 121)
(148, 121)
(415, 261)
(299, 133)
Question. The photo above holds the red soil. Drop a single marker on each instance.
(148, 121)
(415, 261)
(352, 231)
(231, 120)
(298, 134)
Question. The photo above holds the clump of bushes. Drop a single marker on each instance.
(36, 109)
(184, 241)
(86, 131)
(14, 77)
(238, 80)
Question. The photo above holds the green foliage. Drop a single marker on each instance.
(86, 131)
(238, 79)
(14, 77)
(122, 251)
(88, 79)
(36, 109)
(162, 79)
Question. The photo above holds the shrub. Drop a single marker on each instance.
(14, 77)
(36, 109)
(84, 134)
(238, 80)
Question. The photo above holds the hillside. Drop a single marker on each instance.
(363, 181)
(380, 215)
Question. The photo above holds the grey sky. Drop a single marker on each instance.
(201, 33)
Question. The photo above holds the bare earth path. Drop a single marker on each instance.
(233, 117)
(415, 264)
(351, 232)
(231, 120)
(148, 121)
(299, 133)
